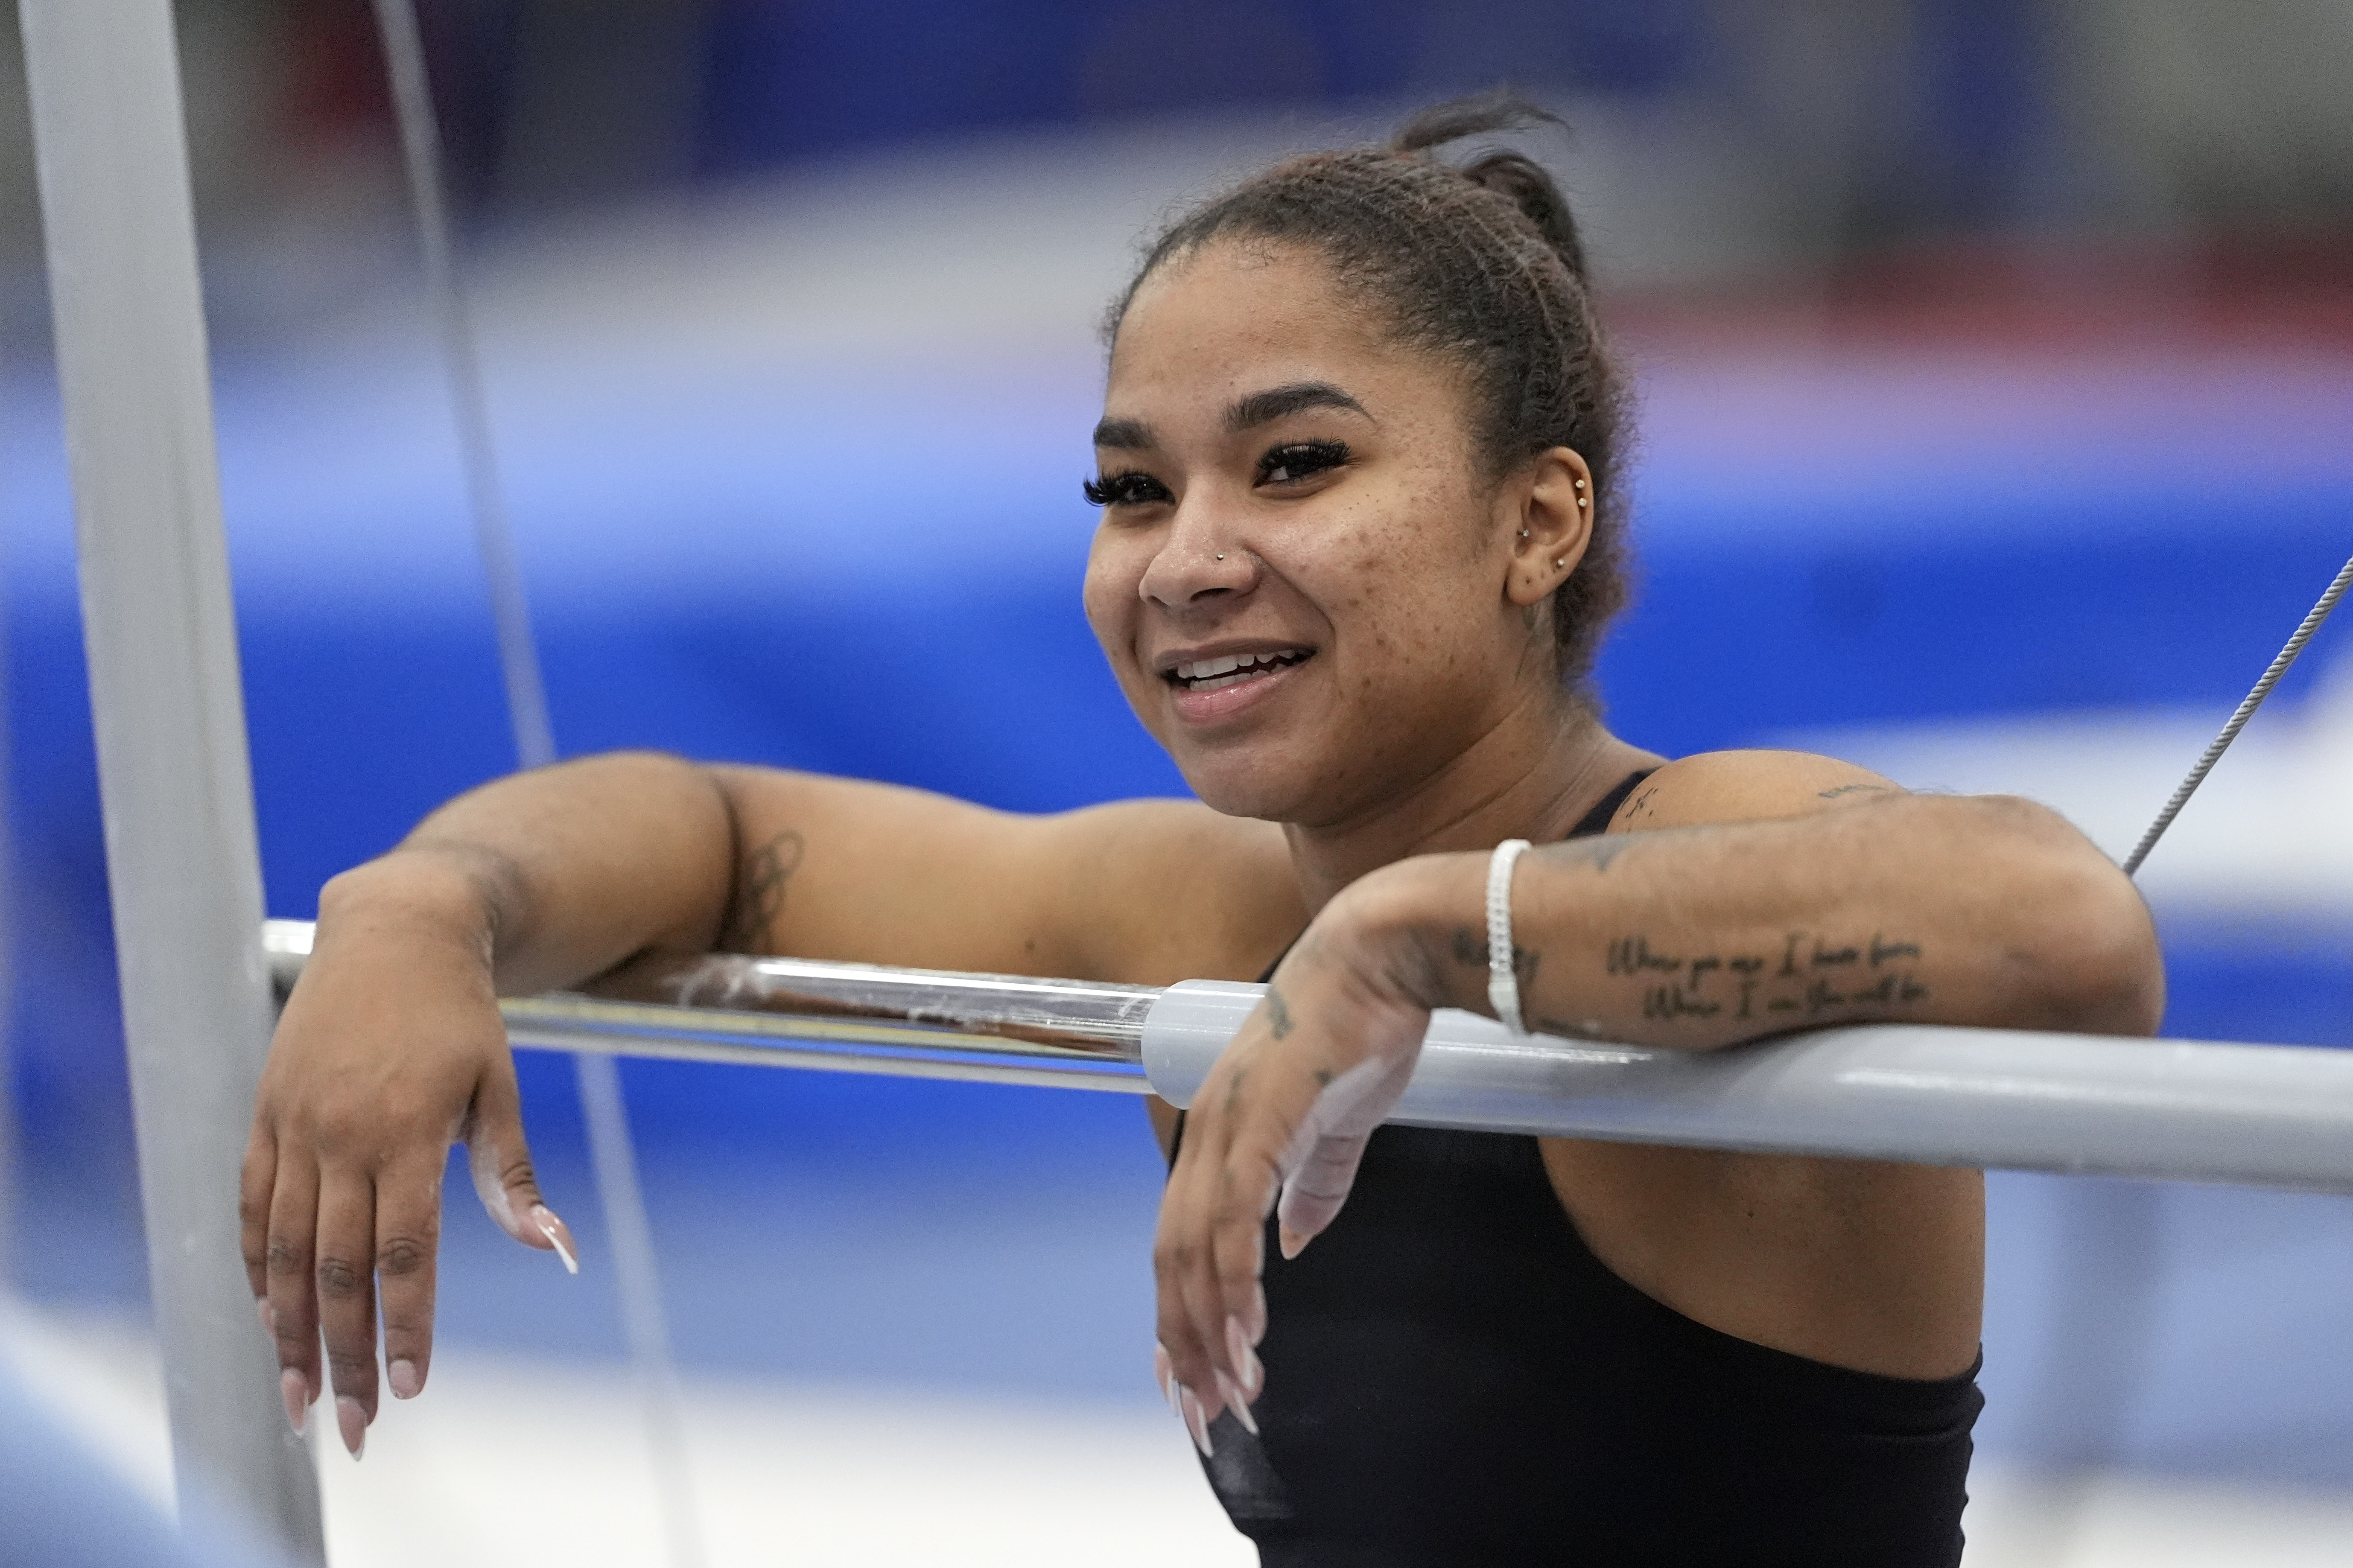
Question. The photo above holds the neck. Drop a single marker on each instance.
(1531, 776)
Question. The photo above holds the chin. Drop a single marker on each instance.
(1272, 788)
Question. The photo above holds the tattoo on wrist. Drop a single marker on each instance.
(760, 894)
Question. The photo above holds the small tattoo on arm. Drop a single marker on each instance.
(760, 894)
(1853, 789)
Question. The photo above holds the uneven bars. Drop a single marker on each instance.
(2279, 1116)
(183, 871)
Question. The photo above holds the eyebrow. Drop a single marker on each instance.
(1243, 414)
(1265, 407)
(1124, 435)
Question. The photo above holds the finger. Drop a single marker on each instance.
(1327, 1143)
(407, 1235)
(345, 1270)
(1173, 1257)
(500, 1160)
(1313, 1195)
(253, 1190)
(293, 1314)
(1223, 1190)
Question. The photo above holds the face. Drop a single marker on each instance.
(1312, 595)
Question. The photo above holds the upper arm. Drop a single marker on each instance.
(1747, 786)
(1143, 891)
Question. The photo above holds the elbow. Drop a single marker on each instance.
(2078, 951)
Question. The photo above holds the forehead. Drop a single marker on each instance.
(1235, 316)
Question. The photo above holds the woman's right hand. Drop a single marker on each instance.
(390, 1050)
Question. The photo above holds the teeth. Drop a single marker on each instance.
(1211, 674)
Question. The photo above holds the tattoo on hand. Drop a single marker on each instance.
(1277, 1014)
(760, 894)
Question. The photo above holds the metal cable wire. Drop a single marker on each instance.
(606, 1115)
(2238, 722)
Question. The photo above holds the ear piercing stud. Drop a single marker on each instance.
(1221, 555)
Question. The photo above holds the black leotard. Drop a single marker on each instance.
(1453, 1378)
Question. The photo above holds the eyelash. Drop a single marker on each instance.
(1298, 461)
(1129, 489)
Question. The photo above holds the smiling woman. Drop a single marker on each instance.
(1359, 471)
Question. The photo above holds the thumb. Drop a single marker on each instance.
(1320, 1166)
(500, 1159)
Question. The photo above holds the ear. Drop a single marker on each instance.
(1553, 504)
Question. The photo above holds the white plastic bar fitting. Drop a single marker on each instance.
(2277, 1116)
(161, 637)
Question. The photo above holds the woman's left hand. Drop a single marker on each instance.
(1281, 1122)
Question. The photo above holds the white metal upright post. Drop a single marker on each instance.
(182, 865)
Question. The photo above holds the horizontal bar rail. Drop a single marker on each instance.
(2003, 1099)
(845, 1017)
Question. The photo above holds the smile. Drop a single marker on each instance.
(1232, 669)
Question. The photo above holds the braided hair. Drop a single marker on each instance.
(1477, 262)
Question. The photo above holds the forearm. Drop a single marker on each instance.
(556, 874)
(1920, 909)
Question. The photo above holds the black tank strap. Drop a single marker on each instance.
(1597, 819)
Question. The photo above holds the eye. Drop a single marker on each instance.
(1300, 460)
(1129, 489)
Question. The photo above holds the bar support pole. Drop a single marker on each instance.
(182, 865)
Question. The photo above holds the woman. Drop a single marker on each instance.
(1360, 468)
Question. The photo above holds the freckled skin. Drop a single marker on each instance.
(1392, 568)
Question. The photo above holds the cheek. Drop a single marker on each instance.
(1110, 594)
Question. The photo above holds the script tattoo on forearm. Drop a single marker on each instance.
(760, 894)
(1808, 977)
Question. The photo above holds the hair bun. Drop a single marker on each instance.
(1513, 175)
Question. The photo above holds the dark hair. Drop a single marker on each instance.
(1479, 262)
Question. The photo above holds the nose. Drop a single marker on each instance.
(1201, 557)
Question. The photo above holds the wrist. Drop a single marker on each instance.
(1422, 921)
(417, 895)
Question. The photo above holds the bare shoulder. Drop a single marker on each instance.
(1178, 891)
(1747, 787)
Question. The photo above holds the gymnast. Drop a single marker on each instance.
(1362, 467)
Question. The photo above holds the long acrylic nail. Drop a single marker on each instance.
(268, 1318)
(353, 1422)
(402, 1375)
(558, 1236)
(297, 1392)
(1236, 1403)
(1163, 1372)
(1196, 1422)
(1247, 1371)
